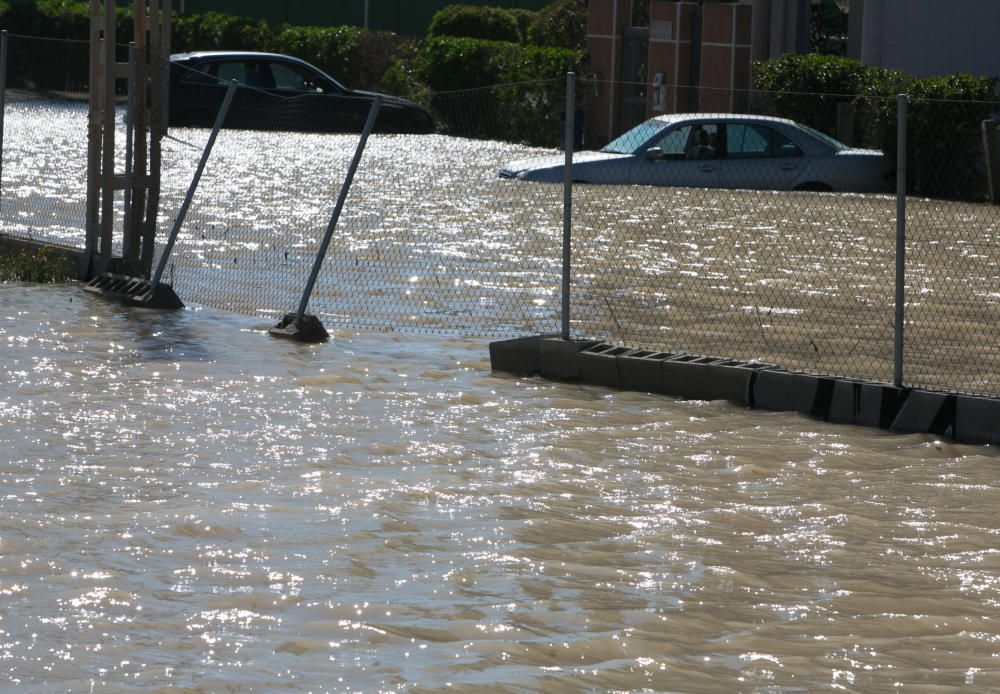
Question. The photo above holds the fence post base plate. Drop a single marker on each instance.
(309, 330)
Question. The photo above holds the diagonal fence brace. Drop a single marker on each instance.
(300, 326)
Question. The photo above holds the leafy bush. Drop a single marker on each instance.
(944, 114)
(467, 21)
(355, 56)
(807, 88)
(562, 23)
(214, 31)
(524, 19)
(494, 89)
(944, 145)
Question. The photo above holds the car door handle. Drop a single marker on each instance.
(708, 168)
(789, 167)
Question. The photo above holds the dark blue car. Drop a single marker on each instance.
(279, 92)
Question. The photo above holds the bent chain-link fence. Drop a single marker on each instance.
(430, 238)
(759, 254)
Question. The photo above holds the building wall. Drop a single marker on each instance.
(606, 21)
(706, 71)
(929, 37)
(779, 27)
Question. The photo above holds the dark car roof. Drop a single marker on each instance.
(222, 55)
(232, 54)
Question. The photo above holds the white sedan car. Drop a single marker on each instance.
(701, 150)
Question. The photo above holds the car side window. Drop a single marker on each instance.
(197, 74)
(697, 141)
(244, 72)
(295, 79)
(751, 141)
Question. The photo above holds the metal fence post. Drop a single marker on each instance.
(182, 213)
(901, 108)
(341, 199)
(3, 97)
(569, 137)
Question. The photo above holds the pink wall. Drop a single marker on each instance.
(724, 75)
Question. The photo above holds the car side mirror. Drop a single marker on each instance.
(654, 154)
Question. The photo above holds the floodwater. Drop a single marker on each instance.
(192, 505)
(432, 240)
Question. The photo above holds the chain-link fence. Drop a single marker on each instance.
(744, 237)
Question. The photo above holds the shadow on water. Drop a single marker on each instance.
(163, 335)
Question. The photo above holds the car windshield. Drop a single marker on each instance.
(631, 140)
(832, 141)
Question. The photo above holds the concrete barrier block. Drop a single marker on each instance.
(925, 411)
(683, 376)
(728, 380)
(599, 365)
(877, 404)
(777, 389)
(977, 420)
(522, 355)
(844, 402)
(559, 358)
(642, 370)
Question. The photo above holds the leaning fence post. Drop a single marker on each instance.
(182, 213)
(901, 107)
(569, 137)
(294, 326)
(3, 95)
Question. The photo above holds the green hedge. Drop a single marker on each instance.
(470, 21)
(354, 56)
(944, 114)
(562, 24)
(490, 89)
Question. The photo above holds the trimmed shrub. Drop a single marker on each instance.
(493, 89)
(213, 31)
(944, 145)
(807, 88)
(562, 24)
(468, 21)
(524, 19)
(944, 114)
(354, 56)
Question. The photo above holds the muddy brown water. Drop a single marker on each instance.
(191, 504)
(431, 240)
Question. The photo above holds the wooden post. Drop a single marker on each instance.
(148, 76)
(159, 85)
(94, 134)
(107, 120)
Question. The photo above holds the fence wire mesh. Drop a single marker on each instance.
(44, 173)
(430, 238)
(727, 236)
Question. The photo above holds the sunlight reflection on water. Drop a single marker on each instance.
(190, 503)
